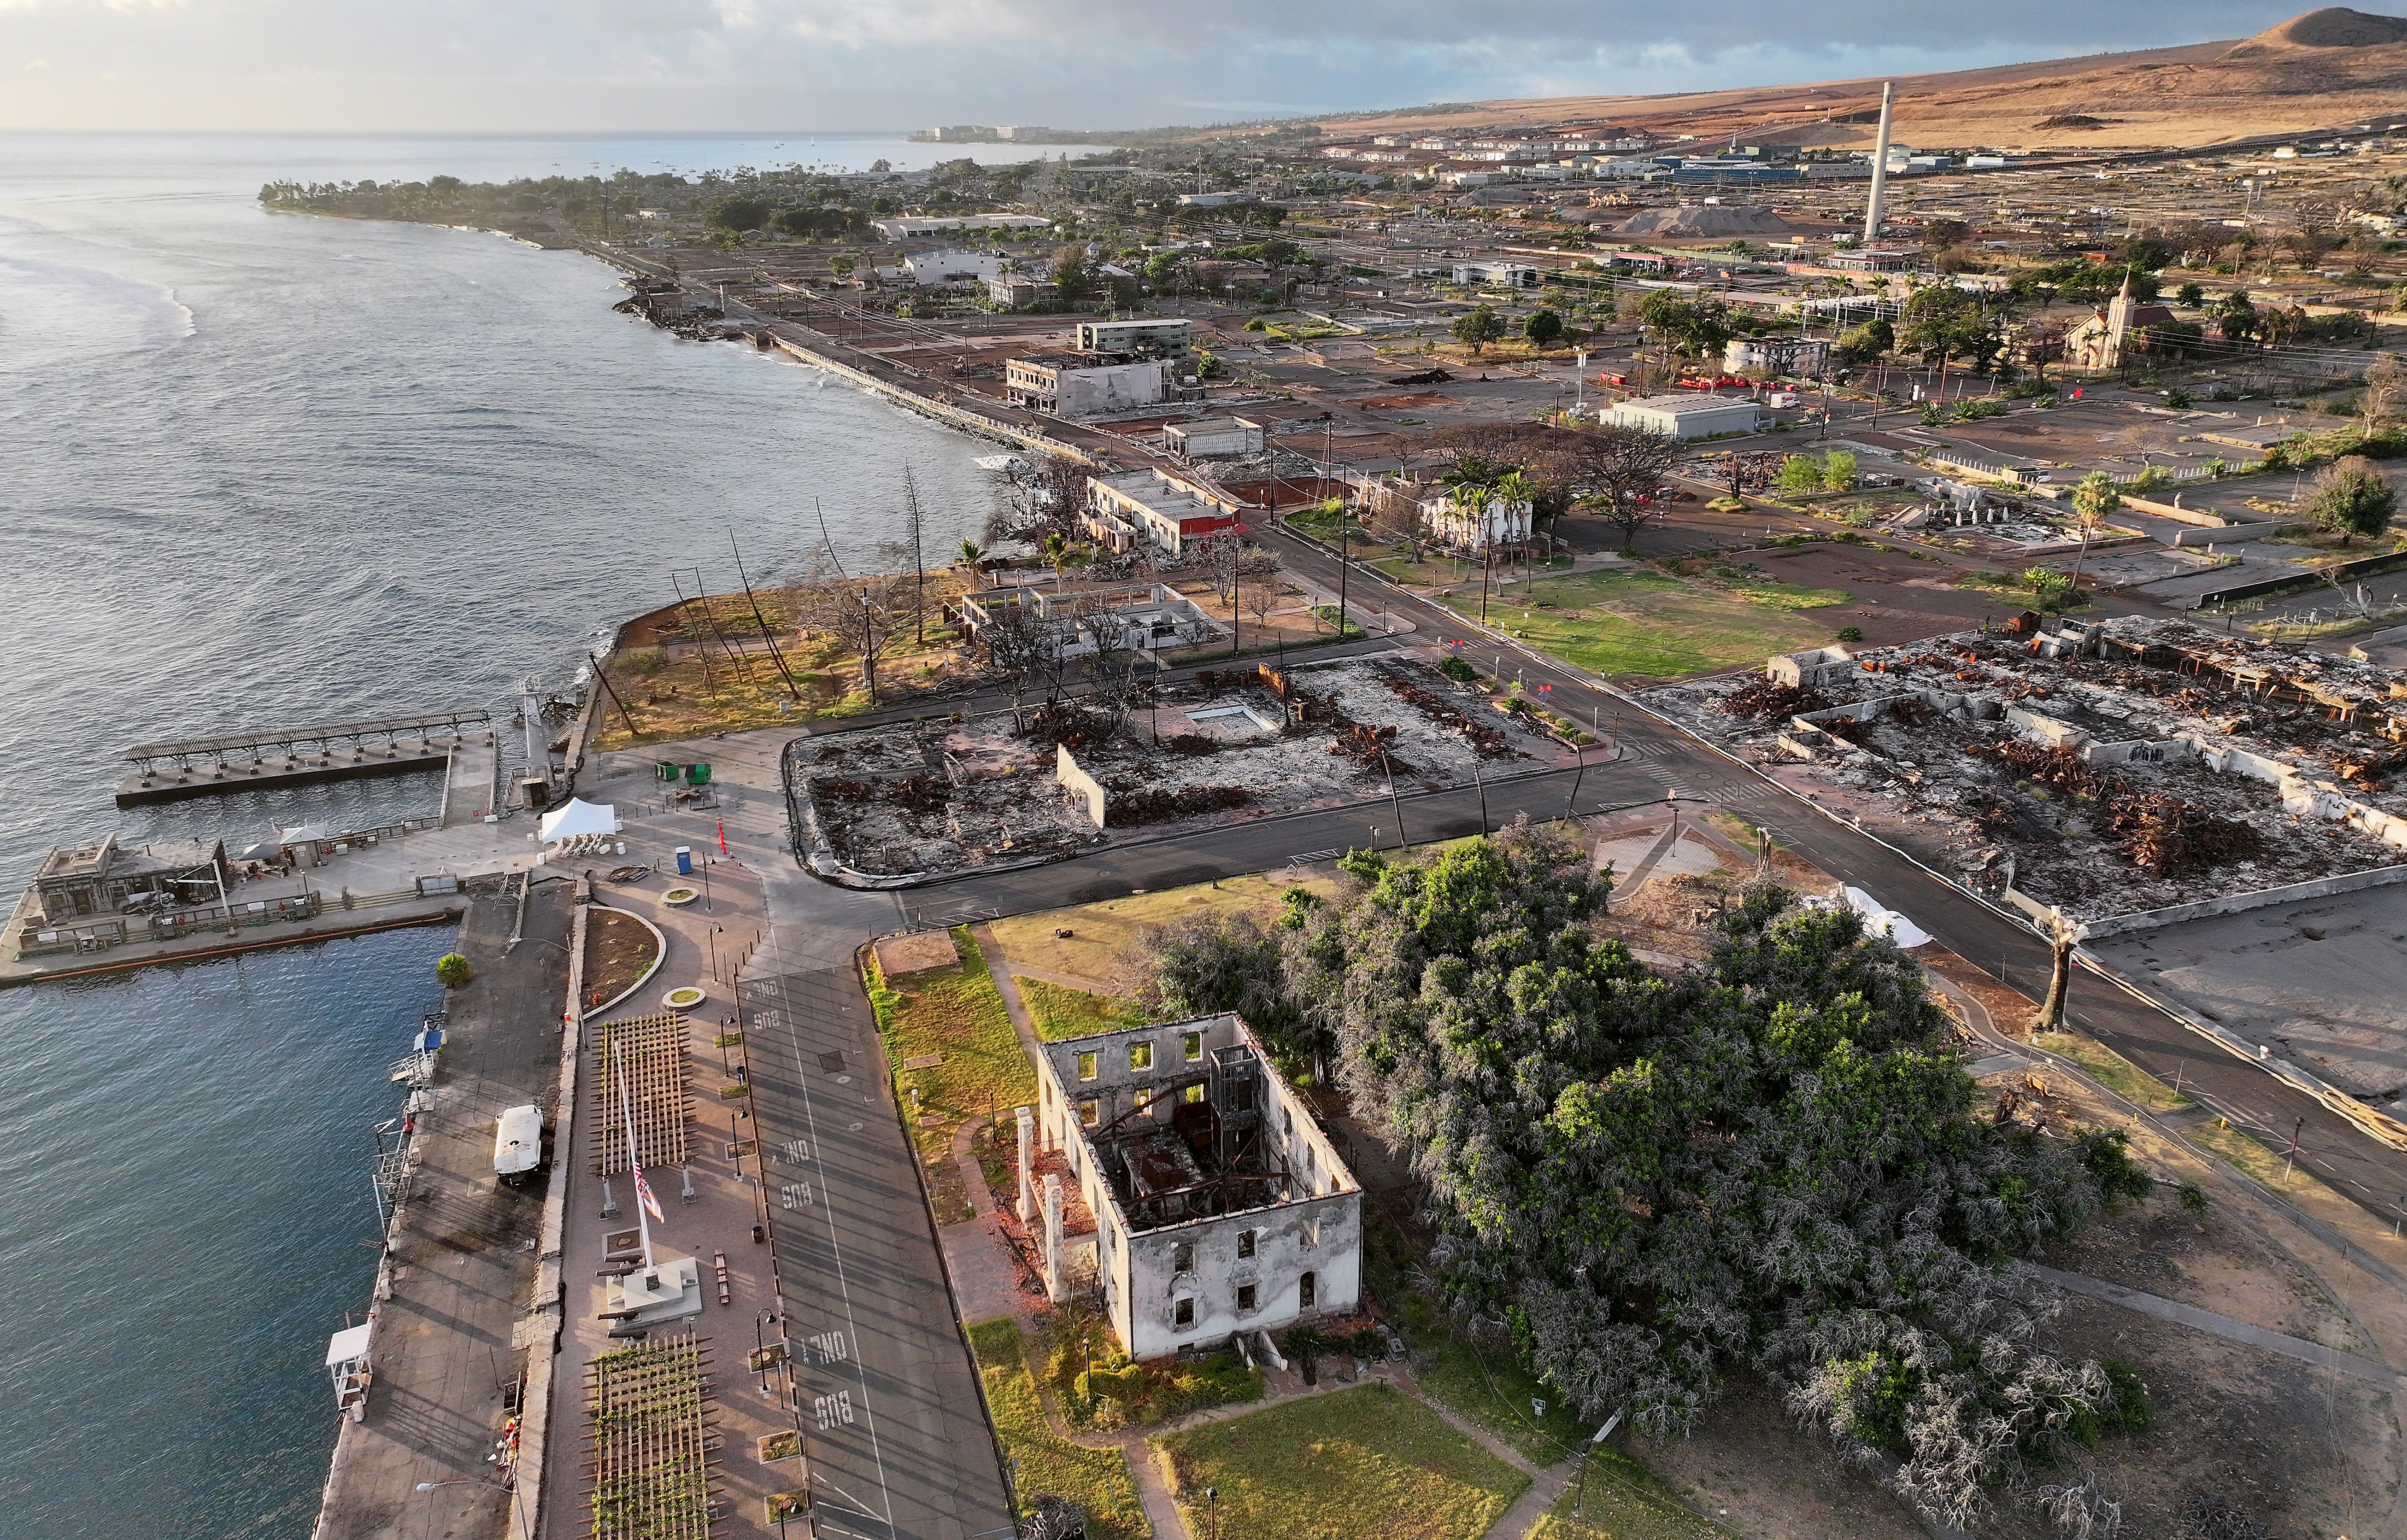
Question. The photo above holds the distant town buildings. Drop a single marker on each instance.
(918, 224)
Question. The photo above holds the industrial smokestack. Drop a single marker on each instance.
(1880, 164)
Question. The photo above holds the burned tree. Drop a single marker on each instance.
(864, 616)
(1624, 470)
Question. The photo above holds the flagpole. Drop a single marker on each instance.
(627, 1126)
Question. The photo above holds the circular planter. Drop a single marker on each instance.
(684, 998)
(677, 898)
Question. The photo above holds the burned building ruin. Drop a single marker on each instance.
(1219, 1204)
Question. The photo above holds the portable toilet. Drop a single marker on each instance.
(518, 1141)
(685, 860)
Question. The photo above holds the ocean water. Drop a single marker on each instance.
(258, 469)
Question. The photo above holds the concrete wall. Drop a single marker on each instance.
(1111, 388)
(1079, 784)
(2207, 908)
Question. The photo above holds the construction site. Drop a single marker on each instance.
(892, 804)
(2107, 769)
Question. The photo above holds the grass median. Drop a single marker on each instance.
(1046, 1463)
(1367, 1463)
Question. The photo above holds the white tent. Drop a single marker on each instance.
(579, 817)
(1885, 922)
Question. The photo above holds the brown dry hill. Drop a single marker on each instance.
(2327, 69)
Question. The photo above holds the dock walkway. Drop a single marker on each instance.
(274, 757)
(461, 1255)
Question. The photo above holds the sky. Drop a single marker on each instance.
(693, 66)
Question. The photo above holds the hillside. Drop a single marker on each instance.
(2325, 69)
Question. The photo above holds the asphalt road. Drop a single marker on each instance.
(898, 1440)
(1658, 758)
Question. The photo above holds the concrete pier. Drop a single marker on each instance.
(264, 758)
(448, 1353)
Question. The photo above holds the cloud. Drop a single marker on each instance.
(477, 65)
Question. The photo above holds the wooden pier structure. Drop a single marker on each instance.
(271, 758)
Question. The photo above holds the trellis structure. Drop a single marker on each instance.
(649, 1442)
(651, 1055)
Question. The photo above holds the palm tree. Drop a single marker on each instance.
(1057, 552)
(973, 557)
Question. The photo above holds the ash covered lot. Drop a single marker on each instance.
(935, 797)
(2106, 768)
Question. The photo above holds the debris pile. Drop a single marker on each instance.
(938, 797)
(2106, 766)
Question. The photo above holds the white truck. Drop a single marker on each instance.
(517, 1142)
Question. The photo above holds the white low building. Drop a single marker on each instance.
(1800, 356)
(1155, 509)
(1472, 520)
(1219, 1205)
(1684, 417)
(1213, 438)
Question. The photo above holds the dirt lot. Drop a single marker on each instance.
(619, 950)
(1897, 598)
(944, 796)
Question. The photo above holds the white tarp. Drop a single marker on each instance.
(1885, 922)
(579, 817)
(302, 835)
(348, 1344)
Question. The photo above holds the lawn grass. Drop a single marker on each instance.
(1366, 1464)
(1105, 940)
(1059, 1011)
(2112, 1070)
(1097, 1480)
(2260, 1161)
(1625, 623)
(1615, 1498)
(958, 1015)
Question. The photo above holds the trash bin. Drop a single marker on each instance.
(665, 770)
(697, 774)
(685, 860)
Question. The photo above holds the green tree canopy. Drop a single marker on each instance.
(1694, 328)
(1859, 345)
(738, 212)
(2351, 498)
(1772, 1161)
(1544, 328)
(1479, 328)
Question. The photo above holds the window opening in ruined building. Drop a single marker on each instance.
(1139, 1056)
(1245, 1299)
(1306, 1289)
(1192, 1044)
(1182, 1258)
(1090, 1113)
(1195, 1092)
(1182, 1315)
(1311, 1234)
(1245, 1244)
(1086, 1066)
(1145, 1100)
